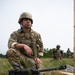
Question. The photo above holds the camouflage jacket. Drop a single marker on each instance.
(32, 39)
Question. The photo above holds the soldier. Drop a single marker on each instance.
(68, 53)
(58, 53)
(25, 45)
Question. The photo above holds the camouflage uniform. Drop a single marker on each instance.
(59, 57)
(19, 56)
(68, 53)
(58, 53)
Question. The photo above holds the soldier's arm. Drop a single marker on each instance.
(39, 48)
(12, 40)
(40, 45)
(12, 43)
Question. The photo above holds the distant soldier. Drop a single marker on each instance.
(57, 53)
(68, 53)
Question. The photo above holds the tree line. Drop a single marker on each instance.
(47, 53)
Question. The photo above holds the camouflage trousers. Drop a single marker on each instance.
(16, 57)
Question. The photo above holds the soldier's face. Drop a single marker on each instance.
(26, 23)
(58, 47)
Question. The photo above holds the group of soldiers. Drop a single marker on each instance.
(25, 46)
(58, 53)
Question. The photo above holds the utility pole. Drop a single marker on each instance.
(74, 37)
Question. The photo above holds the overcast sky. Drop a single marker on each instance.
(53, 19)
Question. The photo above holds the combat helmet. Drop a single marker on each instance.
(58, 46)
(25, 15)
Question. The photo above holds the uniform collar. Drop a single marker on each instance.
(21, 30)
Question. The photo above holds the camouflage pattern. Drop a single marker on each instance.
(25, 15)
(57, 53)
(32, 39)
(14, 56)
(68, 53)
(59, 56)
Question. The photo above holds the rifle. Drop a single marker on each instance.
(34, 71)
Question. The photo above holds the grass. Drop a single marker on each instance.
(47, 62)
(4, 66)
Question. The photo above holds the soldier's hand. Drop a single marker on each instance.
(25, 47)
(28, 50)
(38, 60)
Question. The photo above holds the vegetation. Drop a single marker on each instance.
(47, 62)
(48, 53)
(2, 56)
(4, 66)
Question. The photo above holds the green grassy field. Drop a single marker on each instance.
(47, 62)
